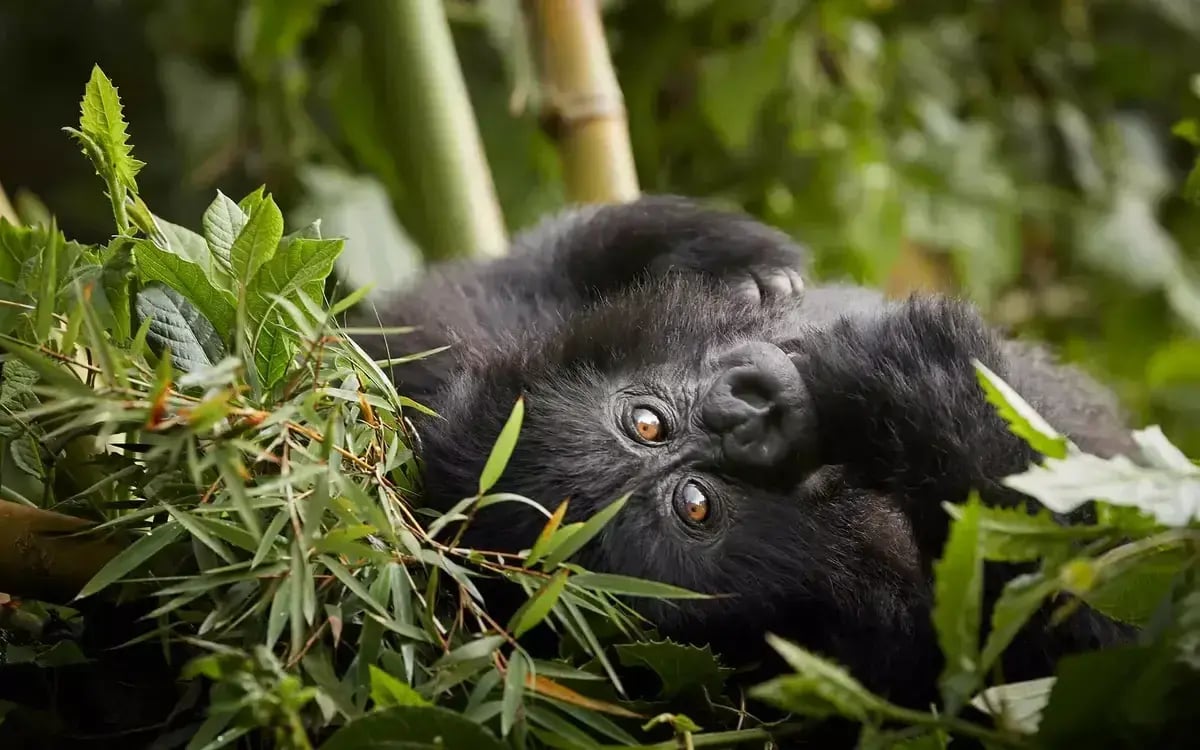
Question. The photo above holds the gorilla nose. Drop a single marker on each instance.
(758, 409)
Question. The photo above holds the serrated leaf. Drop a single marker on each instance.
(537, 606)
(1063, 485)
(387, 691)
(584, 533)
(958, 600)
(153, 264)
(412, 728)
(819, 688)
(1016, 706)
(1023, 420)
(1014, 535)
(176, 324)
(514, 689)
(680, 668)
(131, 557)
(503, 448)
(101, 120)
(618, 584)
(1020, 599)
(257, 242)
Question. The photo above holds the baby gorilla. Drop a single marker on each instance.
(788, 447)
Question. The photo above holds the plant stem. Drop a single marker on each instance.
(582, 104)
(6, 208)
(429, 126)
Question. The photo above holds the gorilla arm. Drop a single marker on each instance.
(571, 260)
(899, 407)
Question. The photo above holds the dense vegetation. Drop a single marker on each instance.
(192, 392)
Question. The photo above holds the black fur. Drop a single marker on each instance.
(603, 308)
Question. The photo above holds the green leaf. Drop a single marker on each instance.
(514, 690)
(735, 83)
(176, 324)
(502, 450)
(1014, 535)
(281, 608)
(223, 223)
(1023, 421)
(1063, 485)
(680, 668)
(537, 606)
(102, 121)
(958, 594)
(387, 691)
(413, 728)
(131, 557)
(153, 264)
(298, 263)
(186, 244)
(583, 534)
(47, 292)
(257, 242)
(1135, 592)
(476, 649)
(1016, 706)
(1021, 598)
(819, 688)
(618, 584)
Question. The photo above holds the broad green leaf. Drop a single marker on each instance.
(176, 324)
(514, 690)
(153, 264)
(300, 262)
(629, 586)
(186, 244)
(503, 448)
(102, 121)
(223, 223)
(1135, 591)
(958, 594)
(589, 529)
(257, 241)
(1016, 706)
(819, 688)
(680, 668)
(1022, 419)
(537, 606)
(412, 728)
(131, 557)
(387, 691)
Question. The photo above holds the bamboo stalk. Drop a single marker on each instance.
(582, 105)
(37, 558)
(430, 127)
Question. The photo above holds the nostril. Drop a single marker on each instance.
(753, 392)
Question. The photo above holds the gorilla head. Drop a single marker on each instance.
(785, 449)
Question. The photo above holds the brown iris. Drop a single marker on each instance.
(693, 504)
(648, 425)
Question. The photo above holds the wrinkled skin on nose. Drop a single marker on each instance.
(759, 411)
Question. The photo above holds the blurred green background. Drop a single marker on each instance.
(1031, 148)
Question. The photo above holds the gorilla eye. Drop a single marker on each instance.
(692, 504)
(648, 425)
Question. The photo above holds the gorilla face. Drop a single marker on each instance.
(691, 402)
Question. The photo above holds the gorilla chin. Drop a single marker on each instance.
(787, 448)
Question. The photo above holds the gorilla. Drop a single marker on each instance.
(789, 446)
